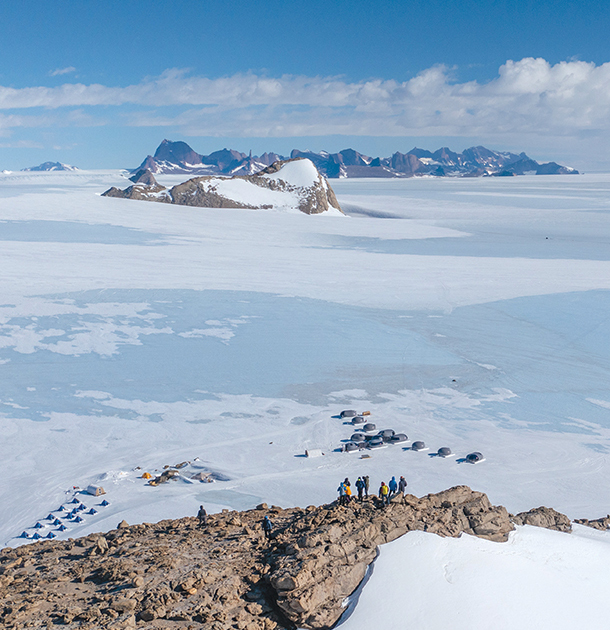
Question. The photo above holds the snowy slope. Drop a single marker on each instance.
(475, 318)
(538, 579)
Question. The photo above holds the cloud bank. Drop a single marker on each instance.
(529, 96)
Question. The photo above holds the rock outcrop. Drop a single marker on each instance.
(174, 575)
(544, 517)
(602, 523)
(286, 184)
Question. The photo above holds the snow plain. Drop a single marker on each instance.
(466, 313)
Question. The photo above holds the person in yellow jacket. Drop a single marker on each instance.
(348, 494)
(384, 493)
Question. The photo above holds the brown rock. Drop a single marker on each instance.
(544, 517)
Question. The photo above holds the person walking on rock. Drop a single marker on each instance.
(366, 485)
(402, 488)
(393, 486)
(202, 515)
(360, 488)
(341, 491)
(384, 494)
(348, 494)
(267, 527)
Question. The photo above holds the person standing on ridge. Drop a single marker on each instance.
(202, 515)
(348, 494)
(360, 488)
(341, 491)
(384, 494)
(267, 527)
(393, 486)
(402, 488)
(366, 485)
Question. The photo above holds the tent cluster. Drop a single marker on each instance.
(186, 471)
(368, 437)
(59, 519)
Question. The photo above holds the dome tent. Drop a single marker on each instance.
(386, 435)
(348, 413)
(358, 420)
(419, 446)
(474, 458)
(444, 451)
(369, 427)
(350, 447)
(357, 437)
(399, 437)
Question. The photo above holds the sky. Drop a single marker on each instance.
(101, 84)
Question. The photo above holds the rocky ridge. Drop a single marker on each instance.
(174, 575)
(179, 157)
(214, 192)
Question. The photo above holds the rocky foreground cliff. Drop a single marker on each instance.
(173, 574)
(285, 185)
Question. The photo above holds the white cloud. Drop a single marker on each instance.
(529, 96)
(59, 71)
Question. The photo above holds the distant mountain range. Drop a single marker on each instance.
(180, 158)
(51, 166)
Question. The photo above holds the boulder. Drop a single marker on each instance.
(544, 517)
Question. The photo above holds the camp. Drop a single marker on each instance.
(96, 491)
(386, 435)
(314, 452)
(419, 446)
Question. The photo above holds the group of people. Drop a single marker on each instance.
(386, 491)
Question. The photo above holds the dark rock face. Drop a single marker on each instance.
(144, 176)
(544, 517)
(176, 153)
(173, 574)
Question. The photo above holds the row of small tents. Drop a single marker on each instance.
(370, 438)
(73, 515)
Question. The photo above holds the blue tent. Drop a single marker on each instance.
(24, 535)
(104, 503)
(82, 506)
(50, 517)
(75, 500)
(56, 522)
(38, 525)
(61, 508)
(92, 511)
(50, 535)
(78, 519)
(36, 536)
(62, 528)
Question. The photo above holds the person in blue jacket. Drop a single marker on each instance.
(267, 527)
(360, 488)
(393, 486)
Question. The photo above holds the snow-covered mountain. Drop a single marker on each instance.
(179, 157)
(51, 166)
(287, 185)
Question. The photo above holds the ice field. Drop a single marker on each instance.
(469, 313)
